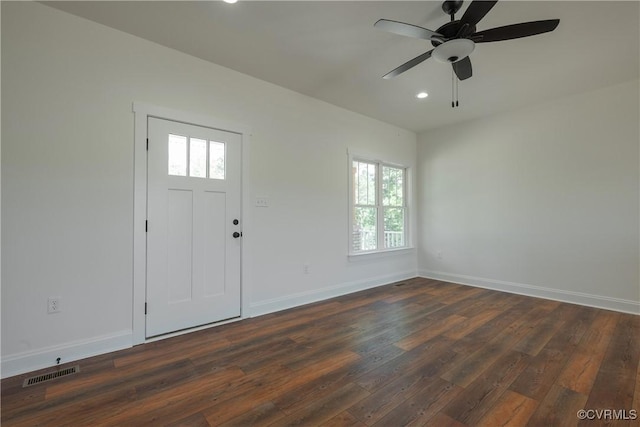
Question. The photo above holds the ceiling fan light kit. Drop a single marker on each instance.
(454, 41)
(453, 50)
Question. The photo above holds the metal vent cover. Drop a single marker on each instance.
(50, 376)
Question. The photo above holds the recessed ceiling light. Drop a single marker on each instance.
(230, 1)
(422, 95)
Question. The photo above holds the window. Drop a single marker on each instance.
(378, 207)
(204, 158)
(177, 155)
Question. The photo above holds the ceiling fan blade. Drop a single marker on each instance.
(463, 68)
(408, 65)
(476, 11)
(515, 31)
(407, 30)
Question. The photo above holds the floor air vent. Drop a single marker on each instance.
(51, 376)
(399, 284)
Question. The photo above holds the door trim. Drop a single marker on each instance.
(141, 114)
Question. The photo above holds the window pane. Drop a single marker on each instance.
(364, 183)
(177, 155)
(392, 186)
(216, 160)
(364, 229)
(198, 158)
(394, 227)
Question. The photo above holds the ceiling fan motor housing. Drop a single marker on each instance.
(450, 30)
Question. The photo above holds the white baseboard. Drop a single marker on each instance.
(32, 360)
(28, 361)
(590, 300)
(296, 300)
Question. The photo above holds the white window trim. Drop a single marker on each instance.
(380, 251)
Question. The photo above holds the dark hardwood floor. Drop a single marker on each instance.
(421, 352)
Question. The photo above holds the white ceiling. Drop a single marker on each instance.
(330, 50)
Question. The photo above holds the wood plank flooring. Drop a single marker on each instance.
(419, 352)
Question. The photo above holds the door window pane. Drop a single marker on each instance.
(177, 155)
(216, 160)
(198, 158)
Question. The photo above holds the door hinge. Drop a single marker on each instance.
(146, 226)
(147, 144)
(145, 308)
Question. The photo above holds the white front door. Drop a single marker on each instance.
(193, 228)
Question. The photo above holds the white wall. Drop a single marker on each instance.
(67, 181)
(542, 201)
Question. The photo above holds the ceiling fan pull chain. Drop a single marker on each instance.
(452, 88)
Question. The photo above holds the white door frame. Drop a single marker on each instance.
(141, 113)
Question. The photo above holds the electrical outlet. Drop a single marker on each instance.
(53, 305)
(305, 268)
(439, 254)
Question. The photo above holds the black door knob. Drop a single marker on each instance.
(236, 234)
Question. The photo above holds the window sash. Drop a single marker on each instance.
(362, 189)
